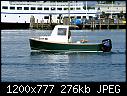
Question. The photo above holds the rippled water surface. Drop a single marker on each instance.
(20, 64)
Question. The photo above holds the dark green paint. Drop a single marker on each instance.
(39, 45)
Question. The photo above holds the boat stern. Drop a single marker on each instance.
(106, 45)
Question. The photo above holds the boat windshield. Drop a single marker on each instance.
(62, 31)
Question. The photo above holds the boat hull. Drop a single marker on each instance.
(49, 46)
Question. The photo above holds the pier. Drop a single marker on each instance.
(102, 24)
(50, 26)
(47, 26)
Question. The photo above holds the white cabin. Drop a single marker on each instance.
(60, 34)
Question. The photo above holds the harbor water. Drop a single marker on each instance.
(20, 64)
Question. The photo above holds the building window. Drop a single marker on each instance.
(19, 8)
(108, 7)
(62, 31)
(32, 8)
(19, 16)
(59, 8)
(39, 8)
(46, 8)
(5, 15)
(46, 17)
(4, 7)
(12, 8)
(26, 8)
(53, 8)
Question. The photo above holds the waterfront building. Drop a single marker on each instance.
(112, 8)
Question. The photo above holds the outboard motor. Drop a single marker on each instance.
(106, 45)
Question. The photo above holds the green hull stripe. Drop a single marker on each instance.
(39, 45)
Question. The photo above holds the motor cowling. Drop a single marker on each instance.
(106, 45)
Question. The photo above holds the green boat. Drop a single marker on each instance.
(60, 41)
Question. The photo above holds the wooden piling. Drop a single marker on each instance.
(32, 22)
(41, 24)
(118, 24)
(107, 24)
(93, 25)
(37, 24)
(100, 23)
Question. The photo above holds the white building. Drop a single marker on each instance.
(111, 8)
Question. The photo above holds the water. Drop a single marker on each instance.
(20, 64)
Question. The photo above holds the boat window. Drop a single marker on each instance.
(59, 8)
(32, 8)
(46, 8)
(59, 17)
(90, 17)
(53, 8)
(78, 17)
(62, 31)
(19, 8)
(71, 8)
(72, 17)
(46, 38)
(4, 7)
(26, 8)
(46, 17)
(12, 8)
(77, 8)
(84, 16)
(66, 17)
(39, 8)
(65, 8)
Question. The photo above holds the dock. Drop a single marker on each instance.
(49, 26)
(102, 24)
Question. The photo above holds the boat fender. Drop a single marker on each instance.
(106, 45)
